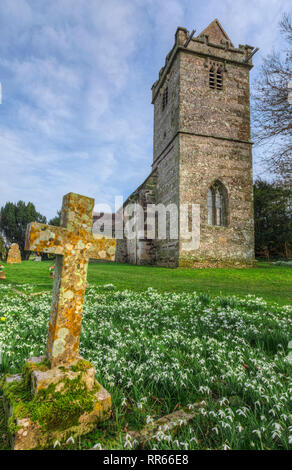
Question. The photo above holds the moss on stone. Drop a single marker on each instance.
(12, 426)
(81, 365)
(52, 409)
(61, 409)
(16, 391)
(29, 367)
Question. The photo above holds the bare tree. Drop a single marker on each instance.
(272, 111)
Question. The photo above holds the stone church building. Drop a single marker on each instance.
(202, 152)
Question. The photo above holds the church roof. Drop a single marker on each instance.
(216, 33)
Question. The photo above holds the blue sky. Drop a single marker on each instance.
(76, 76)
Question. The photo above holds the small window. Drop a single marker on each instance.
(217, 204)
(212, 78)
(164, 98)
(219, 78)
(216, 77)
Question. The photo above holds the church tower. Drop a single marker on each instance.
(202, 153)
(202, 149)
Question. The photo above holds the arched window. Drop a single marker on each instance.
(217, 204)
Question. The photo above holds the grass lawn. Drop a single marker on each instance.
(273, 283)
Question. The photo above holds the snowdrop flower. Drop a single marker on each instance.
(70, 440)
(149, 420)
(128, 442)
(225, 425)
(97, 446)
(223, 401)
(185, 444)
(57, 443)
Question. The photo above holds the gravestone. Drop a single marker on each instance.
(66, 399)
(14, 256)
(2, 274)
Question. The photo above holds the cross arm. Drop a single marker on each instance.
(102, 248)
(45, 238)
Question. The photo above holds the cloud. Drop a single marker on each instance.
(77, 76)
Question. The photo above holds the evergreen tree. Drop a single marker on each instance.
(56, 220)
(273, 220)
(14, 219)
(3, 249)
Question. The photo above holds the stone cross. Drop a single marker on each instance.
(73, 244)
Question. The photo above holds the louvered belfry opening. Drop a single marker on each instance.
(219, 78)
(212, 81)
(216, 77)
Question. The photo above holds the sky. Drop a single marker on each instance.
(76, 76)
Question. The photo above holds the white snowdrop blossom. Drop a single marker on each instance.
(70, 440)
(153, 351)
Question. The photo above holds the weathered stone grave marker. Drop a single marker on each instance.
(14, 256)
(62, 373)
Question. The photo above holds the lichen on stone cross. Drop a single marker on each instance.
(73, 244)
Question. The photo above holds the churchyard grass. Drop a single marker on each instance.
(157, 352)
(269, 281)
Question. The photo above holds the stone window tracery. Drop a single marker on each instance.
(217, 204)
